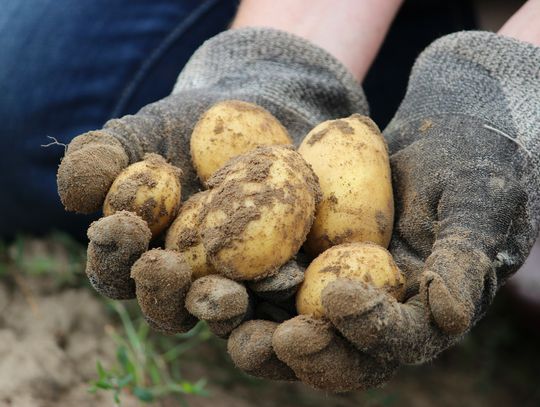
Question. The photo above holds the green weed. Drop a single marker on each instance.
(58, 257)
(148, 365)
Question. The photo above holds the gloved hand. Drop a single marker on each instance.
(465, 159)
(297, 82)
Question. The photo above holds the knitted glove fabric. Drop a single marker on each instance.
(297, 82)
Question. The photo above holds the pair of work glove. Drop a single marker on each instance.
(464, 148)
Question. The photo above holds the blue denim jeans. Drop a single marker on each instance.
(67, 66)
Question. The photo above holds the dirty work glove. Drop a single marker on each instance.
(465, 160)
(297, 82)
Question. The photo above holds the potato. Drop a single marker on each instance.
(184, 236)
(366, 262)
(350, 158)
(231, 128)
(259, 212)
(150, 188)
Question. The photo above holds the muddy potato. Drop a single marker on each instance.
(150, 188)
(351, 160)
(259, 211)
(366, 262)
(184, 235)
(231, 128)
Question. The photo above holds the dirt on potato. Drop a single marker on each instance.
(184, 235)
(228, 195)
(150, 188)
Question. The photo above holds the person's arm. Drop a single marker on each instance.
(524, 24)
(350, 30)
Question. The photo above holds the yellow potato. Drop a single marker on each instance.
(259, 212)
(150, 188)
(366, 262)
(350, 158)
(184, 236)
(231, 128)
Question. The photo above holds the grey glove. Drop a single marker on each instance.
(465, 152)
(297, 82)
(300, 84)
(465, 144)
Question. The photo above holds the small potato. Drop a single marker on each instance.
(150, 188)
(366, 262)
(351, 160)
(259, 212)
(184, 236)
(231, 128)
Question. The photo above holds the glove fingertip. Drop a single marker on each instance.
(90, 166)
(162, 278)
(216, 298)
(250, 348)
(115, 243)
(450, 315)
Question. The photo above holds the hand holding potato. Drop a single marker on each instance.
(351, 161)
(464, 216)
(237, 65)
(254, 218)
(465, 183)
(259, 201)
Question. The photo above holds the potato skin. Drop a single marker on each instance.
(231, 128)
(366, 262)
(184, 236)
(259, 212)
(150, 188)
(350, 158)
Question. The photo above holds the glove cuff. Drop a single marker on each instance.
(482, 75)
(297, 81)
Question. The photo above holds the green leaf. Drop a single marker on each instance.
(101, 371)
(117, 397)
(123, 382)
(200, 384)
(187, 386)
(143, 394)
(123, 359)
(155, 376)
(103, 385)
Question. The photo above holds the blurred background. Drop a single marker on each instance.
(63, 345)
